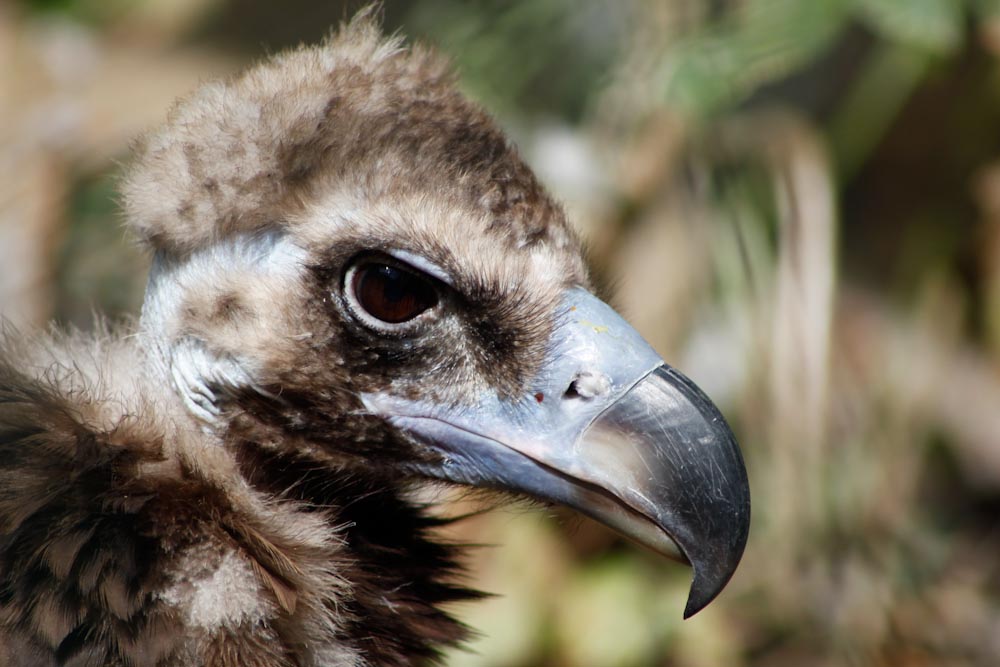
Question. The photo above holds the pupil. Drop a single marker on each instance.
(391, 294)
(393, 286)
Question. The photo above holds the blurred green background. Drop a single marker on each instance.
(797, 202)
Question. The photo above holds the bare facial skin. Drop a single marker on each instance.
(357, 289)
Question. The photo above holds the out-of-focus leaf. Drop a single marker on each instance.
(880, 91)
(986, 8)
(931, 25)
(763, 41)
(513, 56)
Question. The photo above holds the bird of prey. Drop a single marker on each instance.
(358, 288)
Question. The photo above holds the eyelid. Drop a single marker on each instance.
(422, 264)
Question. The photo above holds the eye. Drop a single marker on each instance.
(389, 294)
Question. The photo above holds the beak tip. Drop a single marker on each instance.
(714, 569)
(703, 591)
(700, 596)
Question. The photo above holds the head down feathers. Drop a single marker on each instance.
(206, 490)
(359, 114)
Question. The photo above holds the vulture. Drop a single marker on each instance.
(358, 291)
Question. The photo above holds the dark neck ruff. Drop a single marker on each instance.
(399, 574)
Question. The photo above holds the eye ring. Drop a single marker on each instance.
(387, 295)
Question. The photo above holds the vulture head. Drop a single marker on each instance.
(357, 288)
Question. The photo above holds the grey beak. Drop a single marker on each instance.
(686, 471)
(607, 429)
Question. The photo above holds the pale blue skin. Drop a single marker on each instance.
(606, 427)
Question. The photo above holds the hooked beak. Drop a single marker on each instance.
(610, 430)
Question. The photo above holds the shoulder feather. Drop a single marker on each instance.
(70, 547)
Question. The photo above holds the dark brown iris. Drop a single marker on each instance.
(391, 294)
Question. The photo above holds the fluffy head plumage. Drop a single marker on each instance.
(358, 113)
(310, 158)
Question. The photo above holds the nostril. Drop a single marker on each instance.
(587, 385)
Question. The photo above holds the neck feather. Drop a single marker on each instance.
(399, 572)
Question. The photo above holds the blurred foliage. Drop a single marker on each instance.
(513, 55)
(799, 203)
(82, 265)
(96, 13)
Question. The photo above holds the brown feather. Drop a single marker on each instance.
(204, 489)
